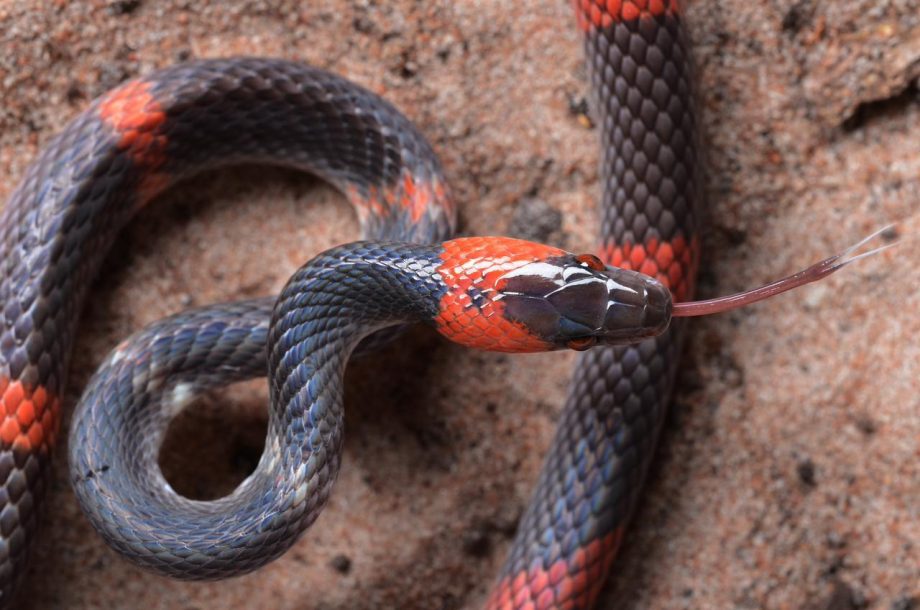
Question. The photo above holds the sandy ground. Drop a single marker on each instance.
(788, 473)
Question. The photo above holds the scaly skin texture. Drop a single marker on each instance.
(145, 135)
(118, 154)
(639, 65)
(326, 309)
(465, 316)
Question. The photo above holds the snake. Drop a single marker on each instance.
(493, 293)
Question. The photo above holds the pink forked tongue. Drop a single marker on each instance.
(814, 273)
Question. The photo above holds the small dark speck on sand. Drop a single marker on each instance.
(806, 472)
(341, 564)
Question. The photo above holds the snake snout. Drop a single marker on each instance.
(638, 307)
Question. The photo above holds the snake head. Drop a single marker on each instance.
(577, 302)
(516, 296)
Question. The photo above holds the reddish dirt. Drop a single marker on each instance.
(787, 475)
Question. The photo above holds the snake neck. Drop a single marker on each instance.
(341, 297)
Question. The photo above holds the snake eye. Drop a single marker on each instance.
(582, 343)
(591, 262)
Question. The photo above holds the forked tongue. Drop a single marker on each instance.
(814, 273)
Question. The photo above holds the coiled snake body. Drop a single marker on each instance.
(491, 293)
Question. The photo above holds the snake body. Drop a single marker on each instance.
(639, 65)
(490, 293)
